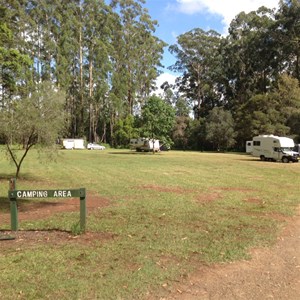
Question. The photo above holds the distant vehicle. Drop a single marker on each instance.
(144, 144)
(274, 148)
(164, 147)
(71, 144)
(94, 146)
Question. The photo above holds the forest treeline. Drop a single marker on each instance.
(105, 57)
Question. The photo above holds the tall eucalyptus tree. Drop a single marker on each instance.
(249, 56)
(137, 52)
(198, 59)
(287, 28)
(97, 46)
(136, 57)
(16, 65)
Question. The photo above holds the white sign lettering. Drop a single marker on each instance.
(32, 194)
(44, 194)
(62, 194)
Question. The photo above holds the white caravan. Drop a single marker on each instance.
(71, 144)
(144, 144)
(274, 148)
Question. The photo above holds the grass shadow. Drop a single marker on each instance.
(134, 153)
(247, 159)
(25, 205)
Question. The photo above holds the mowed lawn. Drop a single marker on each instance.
(165, 215)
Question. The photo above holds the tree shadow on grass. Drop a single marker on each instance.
(6, 176)
(245, 158)
(134, 153)
(5, 204)
(25, 205)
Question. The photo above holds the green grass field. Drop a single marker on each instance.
(168, 213)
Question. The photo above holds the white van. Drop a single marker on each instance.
(274, 148)
(71, 144)
(144, 144)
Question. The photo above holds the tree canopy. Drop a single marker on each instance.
(157, 120)
(253, 73)
(104, 57)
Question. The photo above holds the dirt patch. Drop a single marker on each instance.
(28, 239)
(232, 189)
(272, 273)
(207, 197)
(36, 210)
(40, 210)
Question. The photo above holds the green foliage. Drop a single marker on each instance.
(197, 135)
(76, 229)
(37, 120)
(199, 62)
(179, 134)
(288, 35)
(106, 57)
(14, 65)
(220, 129)
(124, 130)
(158, 119)
(271, 113)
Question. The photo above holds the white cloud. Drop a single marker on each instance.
(170, 78)
(165, 77)
(227, 9)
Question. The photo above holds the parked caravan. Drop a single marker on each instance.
(274, 148)
(144, 144)
(71, 144)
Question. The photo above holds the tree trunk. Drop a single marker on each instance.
(81, 121)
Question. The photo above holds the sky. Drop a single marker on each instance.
(176, 17)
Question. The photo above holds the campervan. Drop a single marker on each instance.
(144, 144)
(274, 148)
(71, 144)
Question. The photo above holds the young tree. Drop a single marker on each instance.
(158, 119)
(36, 120)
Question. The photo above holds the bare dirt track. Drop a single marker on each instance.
(272, 273)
